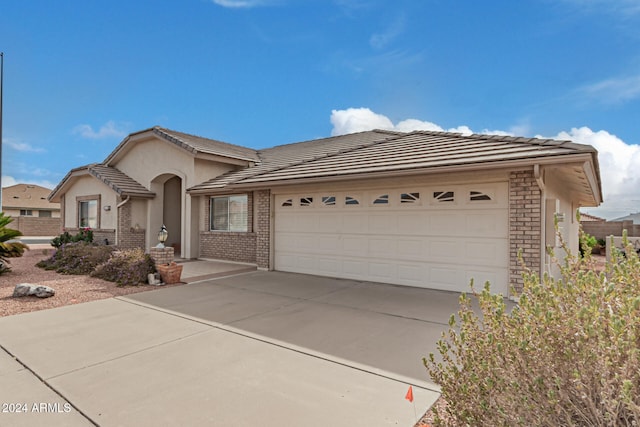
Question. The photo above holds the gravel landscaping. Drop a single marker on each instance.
(70, 289)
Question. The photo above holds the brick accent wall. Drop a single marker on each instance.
(129, 237)
(263, 227)
(232, 246)
(228, 245)
(525, 205)
(35, 226)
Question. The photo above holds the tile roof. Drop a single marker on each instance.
(379, 151)
(119, 182)
(198, 144)
(110, 176)
(282, 156)
(191, 143)
(27, 196)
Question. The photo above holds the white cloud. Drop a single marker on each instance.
(240, 4)
(619, 170)
(22, 146)
(109, 130)
(362, 119)
(357, 120)
(614, 90)
(619, 161)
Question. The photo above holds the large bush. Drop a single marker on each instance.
(127, 267)
(77, 258)
(567, 355)
(9, 247)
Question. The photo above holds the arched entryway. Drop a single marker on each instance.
(167, 208)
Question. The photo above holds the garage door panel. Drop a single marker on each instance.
(409, 224)
(286, 223)
(329, 265)
(330, 223)
(446, 224)
(305, 222)
(422, 243)
(382, 271)
(354, 269)
(412, 274)
(329, 243)
(354, 245)
(383, 224)
(354, 223)
(488, 252)
(413, 249)
(443, 250)
(485, 224)
(383, 247)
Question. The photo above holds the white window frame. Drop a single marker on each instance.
(241, 224)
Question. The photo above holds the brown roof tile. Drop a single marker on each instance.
(27, 196)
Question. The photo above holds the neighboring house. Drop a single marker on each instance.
(32, 212)
(634, 217)
(427, 209)
(585, 217)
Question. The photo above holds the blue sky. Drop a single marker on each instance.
(80, 75)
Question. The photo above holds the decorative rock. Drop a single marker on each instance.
(27, 289)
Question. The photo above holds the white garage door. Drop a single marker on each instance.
(438, 237)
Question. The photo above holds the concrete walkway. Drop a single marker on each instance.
(261, 348)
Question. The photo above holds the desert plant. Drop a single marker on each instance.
(84, 235)
(9, 248)
(77, 258)
(567, 355)
(127, 267)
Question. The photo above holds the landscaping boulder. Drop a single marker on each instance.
(27, 289)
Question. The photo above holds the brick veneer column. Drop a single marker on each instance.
(263, 229)
(524, 225)
(128, 237)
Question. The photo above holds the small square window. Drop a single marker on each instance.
(329, 200)
(409, 197)
(443, 196)
(351, 201)
(287, 203)
(475, 196)
(306, 201)
(382, 200)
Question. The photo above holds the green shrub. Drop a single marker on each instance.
(9, 248)
(77, 258)
(127, 267)
(567, 355)
(84, 235)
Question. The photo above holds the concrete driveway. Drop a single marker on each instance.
(260, 348)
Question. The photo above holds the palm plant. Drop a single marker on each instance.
(8, 247)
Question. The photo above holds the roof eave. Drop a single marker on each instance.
(529, 162)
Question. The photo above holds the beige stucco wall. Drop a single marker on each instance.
(86, 186)
(152, 162)
(148, 159)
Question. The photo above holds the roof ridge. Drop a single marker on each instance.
(331, 137)
(167, 130)
(336, 153)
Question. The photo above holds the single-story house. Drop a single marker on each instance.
(422, 208)
(33, 214)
